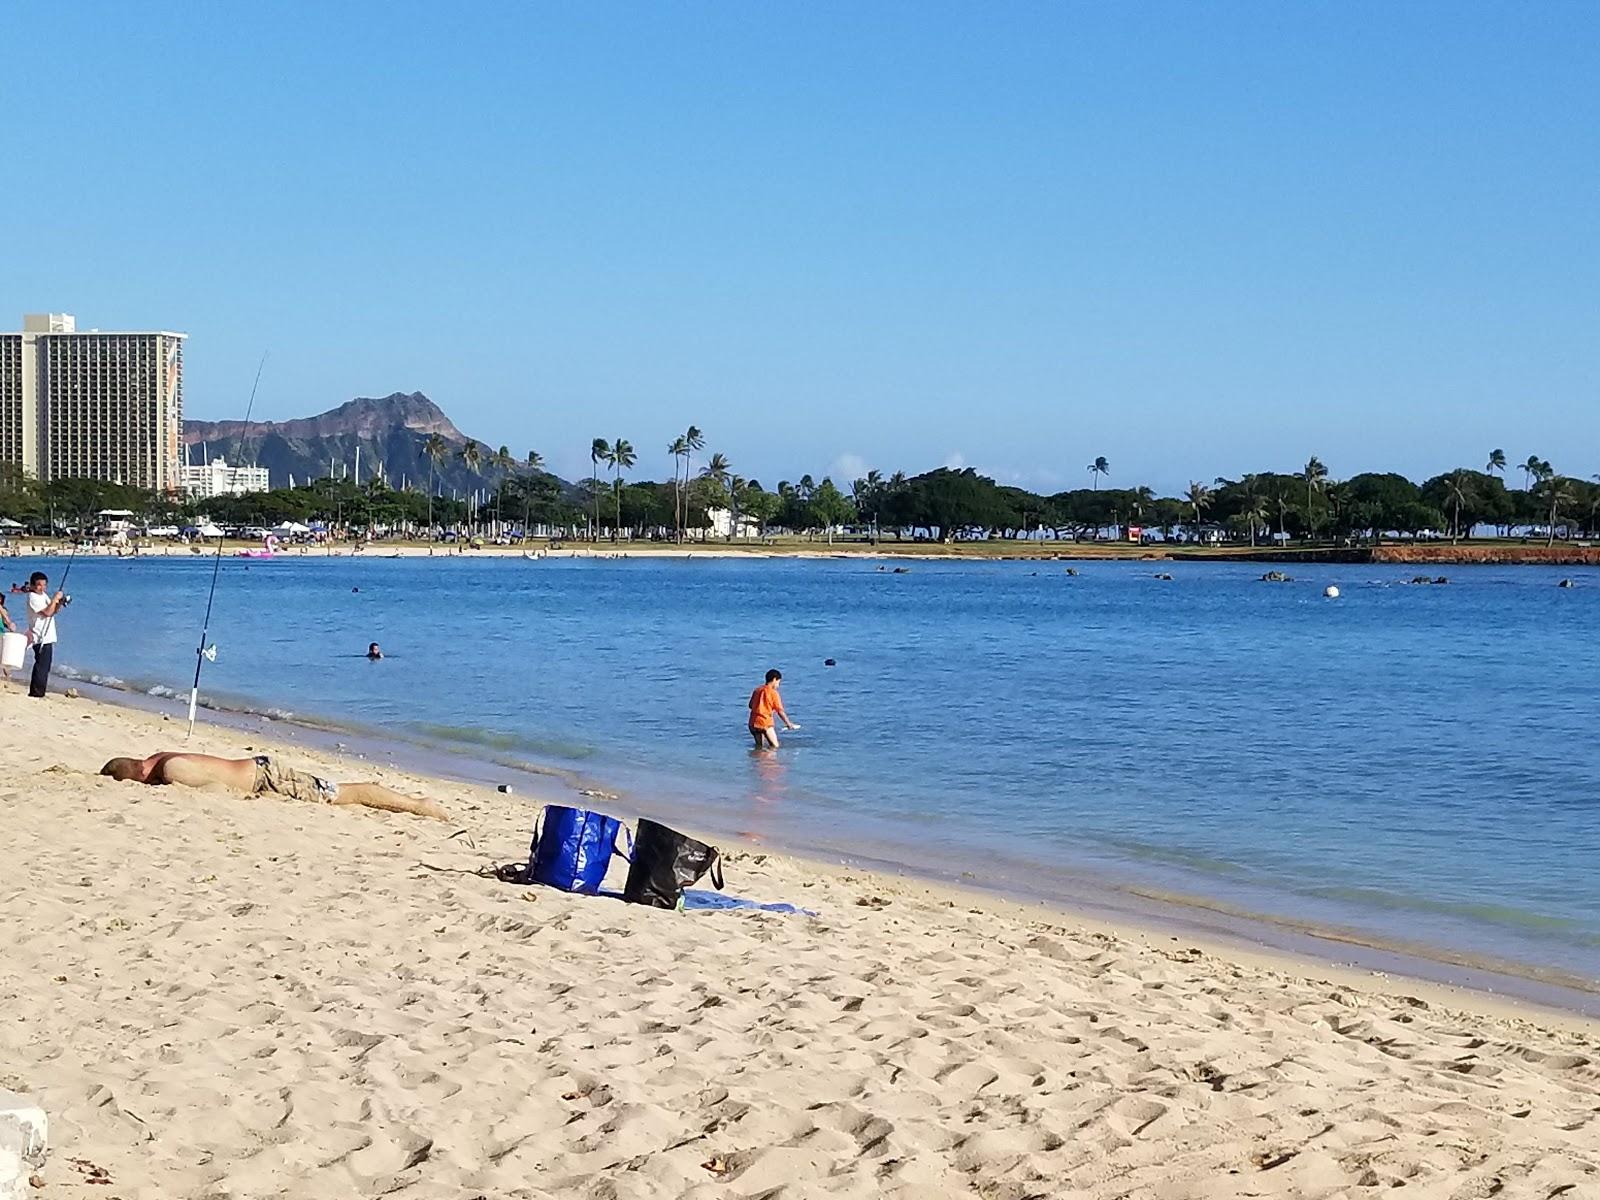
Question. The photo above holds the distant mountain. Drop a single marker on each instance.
(390, 432)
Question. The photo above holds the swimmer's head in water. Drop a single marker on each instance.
(373, 651)
(774, 675)
(124, 768)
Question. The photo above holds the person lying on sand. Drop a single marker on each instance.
(260, 775)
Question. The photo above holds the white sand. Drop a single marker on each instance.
(224, 997)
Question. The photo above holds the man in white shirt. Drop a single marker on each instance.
(42, 610)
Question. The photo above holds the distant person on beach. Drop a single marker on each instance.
(6, 626)
(373, 652)
(263, 775)
(42, 610)
(765, 705)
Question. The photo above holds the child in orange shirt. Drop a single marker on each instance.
(765, 704)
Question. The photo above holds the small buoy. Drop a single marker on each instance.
(1331, 592)
(828, 662)
(504, 788)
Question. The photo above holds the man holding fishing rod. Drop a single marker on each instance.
(42, 610)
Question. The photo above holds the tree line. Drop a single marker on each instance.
(705, 492)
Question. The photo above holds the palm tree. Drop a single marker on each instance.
(434, 449)
(864, 493)
(1315, 474)
(1200, 498)
(536, 468)
(1257, 513)
(1455, 491)
(679, 449)
(736, 486)
(1531, 472)
(501, 460)
(1558, 491)
(807, 486)
(599, 452)
(621, 459)
(1098, 468)
(1497, 462)
(472, 459)
(695, 441)
(717, 471)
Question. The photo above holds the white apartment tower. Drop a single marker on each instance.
(91, 405)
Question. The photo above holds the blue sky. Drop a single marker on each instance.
(1195, 238)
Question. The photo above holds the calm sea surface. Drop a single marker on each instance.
(1421, 762)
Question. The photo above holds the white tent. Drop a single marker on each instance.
(291, 527)
(210, 531)
(8, 523)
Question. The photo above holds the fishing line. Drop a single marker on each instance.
(201, 652)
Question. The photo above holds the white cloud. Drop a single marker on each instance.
(847, 468)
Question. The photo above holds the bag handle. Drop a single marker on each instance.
(716, 871)
(627, 855)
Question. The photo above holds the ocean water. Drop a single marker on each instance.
(1421, 763)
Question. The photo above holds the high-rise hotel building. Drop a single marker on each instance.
(91, 405)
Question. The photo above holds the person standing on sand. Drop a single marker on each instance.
(6, 626)
(765, 704)
(42, 610)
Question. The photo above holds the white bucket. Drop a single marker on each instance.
(13, 647)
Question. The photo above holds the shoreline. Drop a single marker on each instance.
(1507, 553)
(211, 994)
(1124, 903)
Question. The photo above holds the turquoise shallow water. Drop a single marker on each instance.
(1418, 762)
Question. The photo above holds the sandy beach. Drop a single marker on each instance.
(216, 996)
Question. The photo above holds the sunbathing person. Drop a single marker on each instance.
(260, 775)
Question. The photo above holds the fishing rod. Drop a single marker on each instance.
(48, 624)
(203, 653)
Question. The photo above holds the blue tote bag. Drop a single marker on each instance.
(572, 848)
